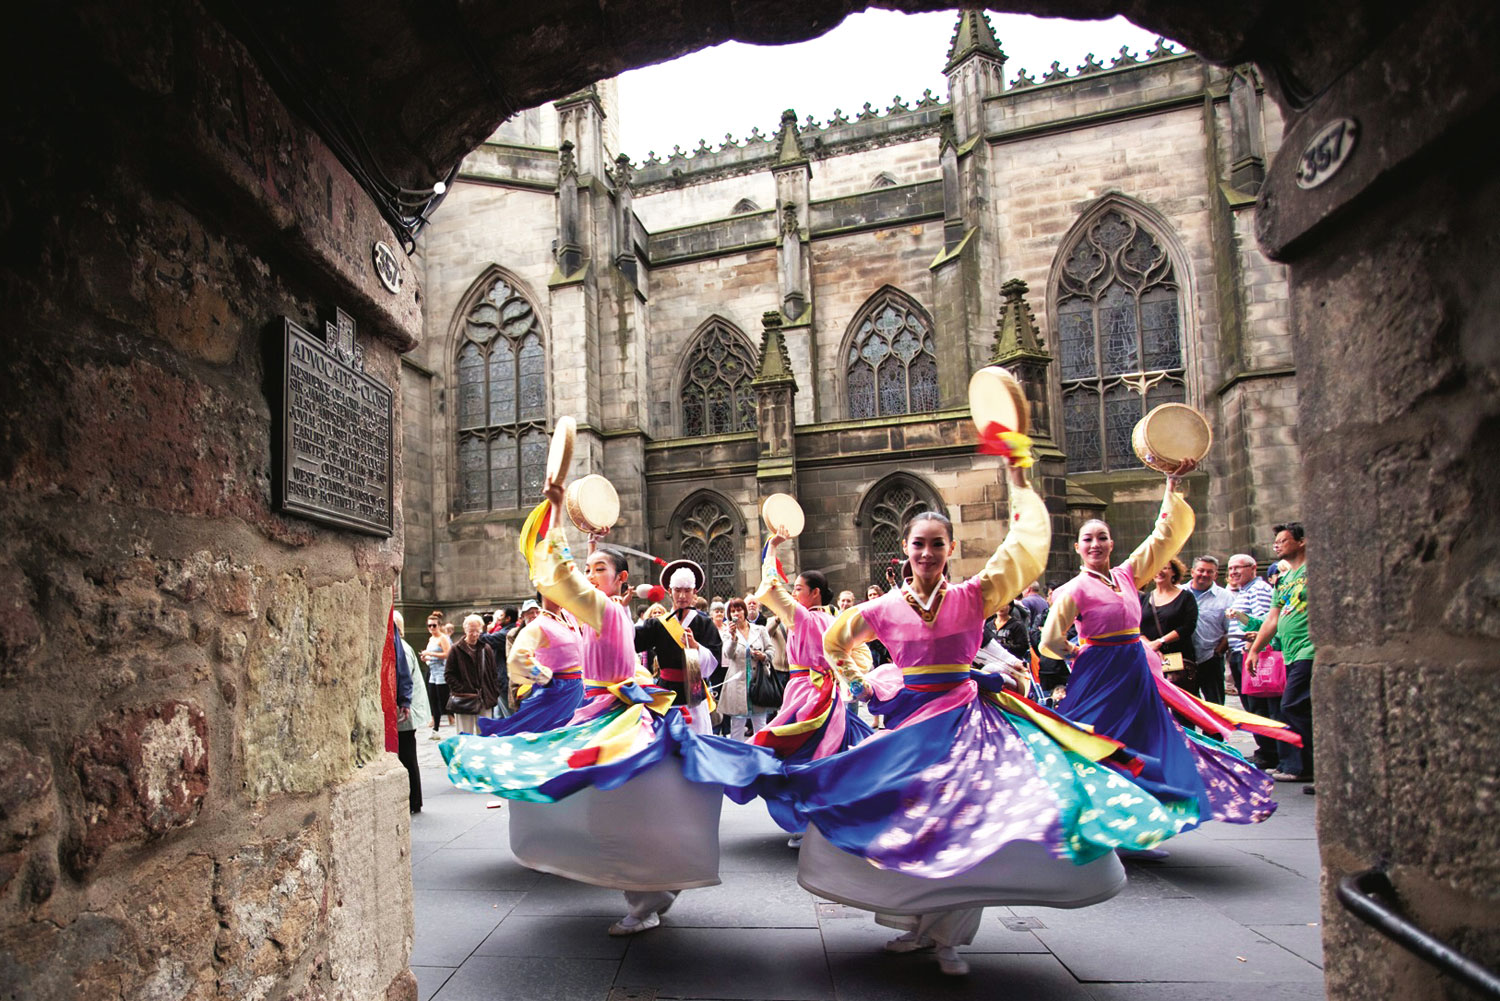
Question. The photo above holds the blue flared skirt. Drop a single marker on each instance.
(546, 708)
(1113, 690)
(938, 797)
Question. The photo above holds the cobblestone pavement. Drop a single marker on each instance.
(1232, 915)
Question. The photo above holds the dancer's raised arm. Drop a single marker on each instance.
(1023, 554)
(772, 592)
(1173, 527)
(557, 577)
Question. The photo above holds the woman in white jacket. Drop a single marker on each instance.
(746, 647)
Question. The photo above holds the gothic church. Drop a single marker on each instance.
(801, 312)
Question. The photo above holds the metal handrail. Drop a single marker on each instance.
(1370, 896)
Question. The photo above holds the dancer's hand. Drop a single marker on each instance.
(1183, 468)
(553, 492)
(776, 540)
(1018, 477)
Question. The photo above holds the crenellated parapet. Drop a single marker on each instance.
(1057, 73)
(869, 128)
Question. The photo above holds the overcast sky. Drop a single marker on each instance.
(872, 56)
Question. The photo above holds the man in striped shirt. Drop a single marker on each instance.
(1252, 598)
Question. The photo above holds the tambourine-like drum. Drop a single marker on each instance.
(1170, 434)
(783, 515)
(592, 503)
(995, 397)
(560, 455)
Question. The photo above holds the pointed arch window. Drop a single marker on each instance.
(891, 365)
(1119, 338)
(717, 397)
(706, 536)
(885, 513)
(502, 402)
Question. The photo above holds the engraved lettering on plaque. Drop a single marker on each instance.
(336, 432)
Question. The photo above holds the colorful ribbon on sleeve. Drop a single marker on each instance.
(1013, 446)
(780, 572)
(533, 531)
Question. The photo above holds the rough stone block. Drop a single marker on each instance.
(309, 709)
(143, 773)
(272, 901)
(370, 917)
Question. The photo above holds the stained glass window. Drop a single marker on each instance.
(716, 393)
(502, 402)
(1119, 336)
(893, 504)
(706, 536)
(891, 367)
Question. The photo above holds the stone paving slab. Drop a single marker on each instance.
(508, 978)
(1232, 915)
(468, 869)
(855, 932)
(754, 964)
(451, 923)
(747, 900)
(1167, 939)
(1207, 992)
(1304, 940)
(552, 935)
(992, 976)
(430, 979)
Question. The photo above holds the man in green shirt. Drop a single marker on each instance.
(1287, 623)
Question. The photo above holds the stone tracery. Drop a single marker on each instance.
(1119, 338)
(502, 402)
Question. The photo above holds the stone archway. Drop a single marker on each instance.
(184, 180)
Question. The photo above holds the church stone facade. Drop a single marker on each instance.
(801, 312)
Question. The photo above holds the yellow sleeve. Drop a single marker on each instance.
(863, 659)
(1023, 555)
(1060, 618)
(556, 576)
(520, 656)
(1173, 528)
(848, 631)
(773, 593)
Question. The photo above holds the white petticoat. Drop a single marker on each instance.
(1021, 872)
(658, 831)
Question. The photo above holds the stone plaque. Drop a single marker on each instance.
(336, 434)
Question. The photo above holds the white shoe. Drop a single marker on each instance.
(632, 925)
(795, 841)
(950, 962)
(908, 943)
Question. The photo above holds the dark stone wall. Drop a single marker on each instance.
(191, 678)
(1396, 305)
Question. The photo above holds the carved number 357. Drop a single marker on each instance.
(1326, 153)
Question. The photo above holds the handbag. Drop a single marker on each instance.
(767, 685)
(1266, 677)
(464, 705)
(1173, 663)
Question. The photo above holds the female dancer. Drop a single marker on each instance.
(814, 721)
(546, 659)
(972, 796)
(633, 795)
(1114, 688)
